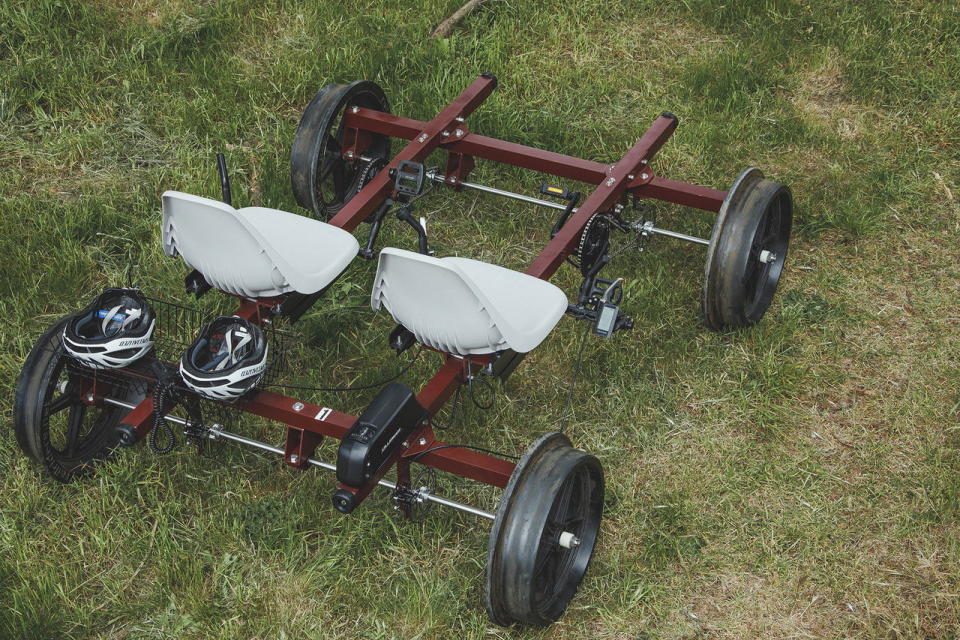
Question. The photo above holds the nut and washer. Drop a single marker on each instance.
(767, 257)
(568, 540)
(298, 406)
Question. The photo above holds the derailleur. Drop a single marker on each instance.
(599, 302)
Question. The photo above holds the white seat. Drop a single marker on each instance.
(465, 306)
(254, 252)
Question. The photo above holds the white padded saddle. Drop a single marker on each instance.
(255, 251)
(464, 306)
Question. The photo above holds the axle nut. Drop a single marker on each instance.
(568, 540)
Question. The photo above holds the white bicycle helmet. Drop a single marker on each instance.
(226, 360)
(113, 331)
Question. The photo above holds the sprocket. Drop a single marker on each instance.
(594, 242)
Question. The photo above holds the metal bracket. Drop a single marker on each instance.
(300, 446)
(458, 169)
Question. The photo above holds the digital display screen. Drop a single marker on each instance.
(608, 315)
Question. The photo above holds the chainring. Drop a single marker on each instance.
(594, 242)
(367, 173)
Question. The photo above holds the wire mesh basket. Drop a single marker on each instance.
(176, 328)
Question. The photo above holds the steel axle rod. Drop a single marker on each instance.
(679, 236)
(438, 177)
(216, 432)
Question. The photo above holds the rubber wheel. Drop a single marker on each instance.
(323, 180)
(52, 424)
(747, 251)
(554, 491)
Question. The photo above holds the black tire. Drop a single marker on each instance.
(530, 577)
(62, 433)
(754, 224)
(323, 181)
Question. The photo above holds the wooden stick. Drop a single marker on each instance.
(445, 28)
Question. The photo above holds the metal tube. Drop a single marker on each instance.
(439, 177)
(436, 176)
(679, 236)
(219, 433)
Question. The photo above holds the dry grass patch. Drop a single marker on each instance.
(822, 96)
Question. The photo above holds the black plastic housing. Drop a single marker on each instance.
(379, 430)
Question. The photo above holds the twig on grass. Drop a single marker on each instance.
(445, 28)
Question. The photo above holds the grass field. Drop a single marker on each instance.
(797, 480)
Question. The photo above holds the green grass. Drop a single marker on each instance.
(797, 480)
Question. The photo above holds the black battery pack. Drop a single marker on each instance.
(379, 430)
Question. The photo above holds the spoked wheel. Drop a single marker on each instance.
(747, 251)
(323, 179)
(53, 423)
(544, 534)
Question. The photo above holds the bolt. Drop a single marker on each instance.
(445, 134)
(89, 397)
(298, 406)
(453, 179)
(611, 182)
(294, 458)
(354, 109)
(631, 177)
(406, 444)
(458, 133)
(349, 154)
(644, 161)
(422, 441)
(644, 176)
(767, 257)
(459, 118)
(422, 137)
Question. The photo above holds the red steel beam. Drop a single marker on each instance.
(556, 164)
(688, 195)
(619, 177)
(469, 464)
(479, 146)
(422, 145)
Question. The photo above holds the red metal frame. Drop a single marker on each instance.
(308, 423)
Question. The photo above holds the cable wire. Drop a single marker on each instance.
(417, 456)
(364, 387)
(568, 409)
